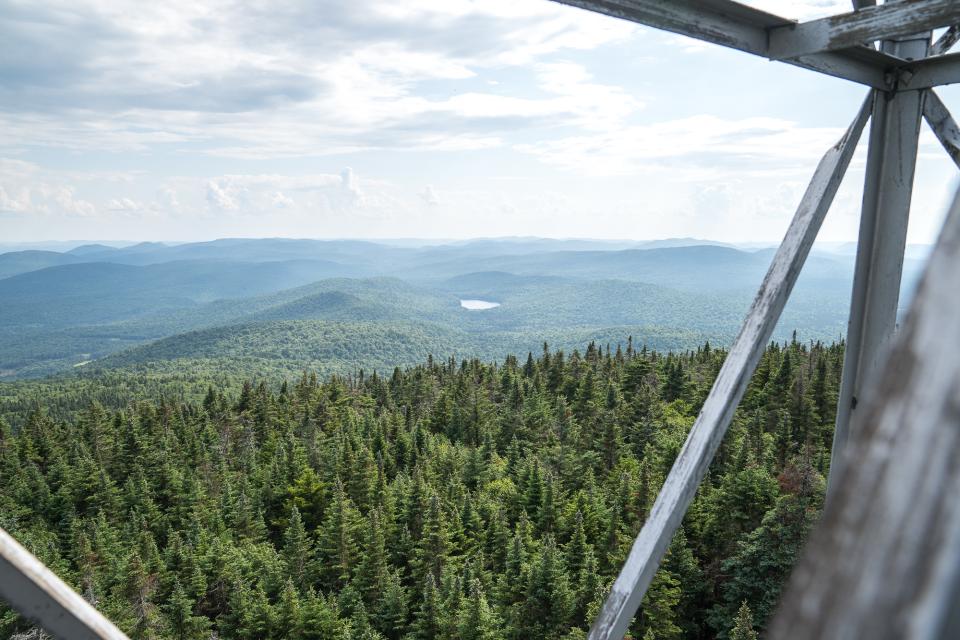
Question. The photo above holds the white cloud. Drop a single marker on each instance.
(222, 196)
(124, 204)
(13, 204)
(62, 199)
(167, 196)
(701, 145)
(253, 194)
(25, 187)
(321, 77)
(350, 187)
(282, 201)
(429, 196)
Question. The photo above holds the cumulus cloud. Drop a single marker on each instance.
(350, 186)
(168, 198)
(222, 196)
(282, 201)
(64, 200)
(429, 196)
(13, 204)
(255, 193)
(26, 187)
(124, 204)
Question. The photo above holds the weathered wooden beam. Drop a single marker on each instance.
(930, 72)
(38, 594)
(738, 26)
(943, 125)
(691, 464)
(945, 42)
(884, 561)
(868, 24)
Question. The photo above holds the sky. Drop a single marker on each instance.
(199, 119)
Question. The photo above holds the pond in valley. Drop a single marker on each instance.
(478, 305)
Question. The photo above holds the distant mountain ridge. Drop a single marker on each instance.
(58, 309)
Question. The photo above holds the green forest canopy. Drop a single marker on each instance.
(448, 500)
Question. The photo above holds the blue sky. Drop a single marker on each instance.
(430, 118)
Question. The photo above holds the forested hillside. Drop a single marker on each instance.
(447, 500)
(60, 311)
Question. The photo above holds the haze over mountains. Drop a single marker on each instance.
(338, 305)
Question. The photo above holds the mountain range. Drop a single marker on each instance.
(339, 305)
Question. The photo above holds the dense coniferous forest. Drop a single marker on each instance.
(447, 500)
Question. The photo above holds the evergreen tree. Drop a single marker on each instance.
(337, 540)
(431, 553)
(548, 608)
(743, 626)
(428, 619)
(184, 625)
(477, 620)
(298, 551)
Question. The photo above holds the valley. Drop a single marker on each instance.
(314, 303)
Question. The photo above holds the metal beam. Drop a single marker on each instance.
(869, 24)
(38, 594)
(734, 25)
(711, 425)
(943, 125)
(891, 162)
(945, 42)
(931, 72)
(884, 561)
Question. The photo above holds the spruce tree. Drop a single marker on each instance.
(298, 551)
(184, 625)
(477, 620)
(549, 602)
(431, 552)
(337, 540)
(743, 625)
(428, 619)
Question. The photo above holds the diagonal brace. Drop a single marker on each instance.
(946, 41)
(37, 593)
(943, 125)
(694, 459)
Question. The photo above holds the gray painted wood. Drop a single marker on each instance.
(708, 430)
(868, 24)
(945, 42)
(884, 562)
(943, 125)
(744, 28)
(37, 593)
(887, 192)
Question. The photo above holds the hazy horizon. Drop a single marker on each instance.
(66, 244)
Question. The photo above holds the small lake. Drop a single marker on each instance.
(478, 305)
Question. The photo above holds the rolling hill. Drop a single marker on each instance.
(59, 310)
